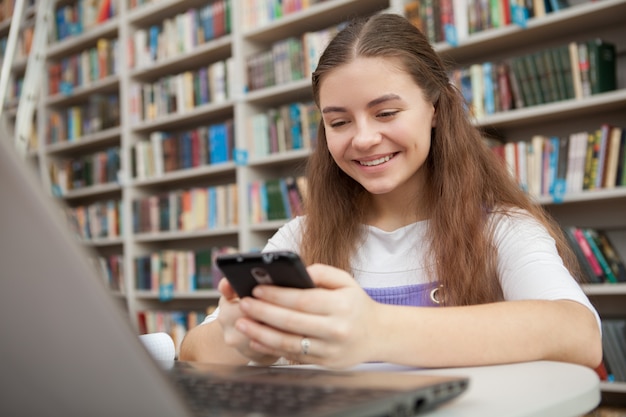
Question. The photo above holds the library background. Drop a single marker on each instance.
(176, 130)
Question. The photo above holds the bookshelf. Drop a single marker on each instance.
(133, 68)
(600, 208)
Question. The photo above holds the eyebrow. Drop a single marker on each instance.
(375, 102)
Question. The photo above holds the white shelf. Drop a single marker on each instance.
(562, 110)
(104, 137)
(318, 15)
(184, 235)
(568, 23)
(73, 44)
(585, 196)
(225, 168)
(218, 49)
(605, 289)
(91, 191)
(614, 387)
(105, 85)
(191, 295)
(198, 114)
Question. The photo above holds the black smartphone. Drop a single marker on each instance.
(244, 271)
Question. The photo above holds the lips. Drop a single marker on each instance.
(377, 161)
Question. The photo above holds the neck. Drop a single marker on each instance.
(391, 211)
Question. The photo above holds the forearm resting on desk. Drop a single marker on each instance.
(488, 334)
(205, 343)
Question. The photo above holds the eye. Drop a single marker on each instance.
(337, 123)
(387, 114)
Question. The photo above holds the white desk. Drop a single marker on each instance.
(551, 389)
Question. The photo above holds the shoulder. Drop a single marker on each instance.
(288, 236)
(516, 222)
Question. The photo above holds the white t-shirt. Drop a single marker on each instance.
(392, 263)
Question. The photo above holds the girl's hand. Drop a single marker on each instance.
(229, 314)
(335, 320)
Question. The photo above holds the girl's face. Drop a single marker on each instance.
(377, 124)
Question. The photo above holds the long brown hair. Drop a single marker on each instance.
(465, 181)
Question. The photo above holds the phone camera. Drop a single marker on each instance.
(261, 275)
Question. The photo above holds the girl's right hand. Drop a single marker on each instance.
(228, 316)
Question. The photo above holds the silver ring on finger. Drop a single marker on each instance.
(305, 344)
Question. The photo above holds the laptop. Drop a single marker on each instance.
(67, 348)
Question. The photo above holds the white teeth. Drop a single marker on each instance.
(376, 161)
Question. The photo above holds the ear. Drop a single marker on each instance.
(433, 122)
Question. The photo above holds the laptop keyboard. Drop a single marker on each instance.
(234, 398)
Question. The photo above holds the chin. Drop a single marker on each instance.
(379, 190)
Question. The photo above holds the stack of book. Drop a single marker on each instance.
(171, 271)
(180, 93)
(100, 112)
(179, 34)
(101, 219)
(289, 127)
(454, 20)
(85, 68)
(166, 152)
(582, 161)
(598, 259)
(572, 71)
(614, 348)
(102, 167)
(276, 199)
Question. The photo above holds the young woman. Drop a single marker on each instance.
(424, 250)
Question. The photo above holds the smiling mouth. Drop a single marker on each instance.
(375, 162)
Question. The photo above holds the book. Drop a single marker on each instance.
(412, 13)
(212, 208)
(609, 276)
(459, 9)
(535, 164)
(534, 78)
(560, 183)
(577, 82)
(610, 253)
(602, 146)
(232, 205)
(563, 70)
(591, 160)
(589, 274)
(612, 157)
(504, 89)
(219, 149)
(523, 80)
(478, 92)
(584, 65)
(558, 5)
(276, 209)
(577, 233)
(203, 269)
(294, 197)
(167, 276)
(613, 347)
(575, 162)
(621, 161)
(602, 371)
(602, 66)
(489, 97)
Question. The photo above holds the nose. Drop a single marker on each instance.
(365, 136)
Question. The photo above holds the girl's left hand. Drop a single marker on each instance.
(331, 325)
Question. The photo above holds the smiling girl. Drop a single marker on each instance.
(424, 250)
